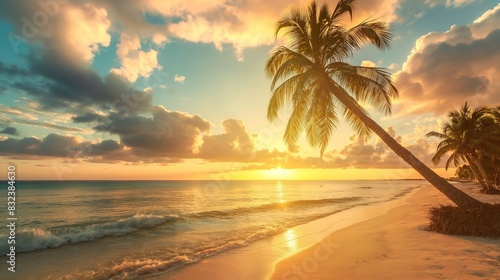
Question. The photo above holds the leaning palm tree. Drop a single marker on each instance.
(470, 135)
(310, 72)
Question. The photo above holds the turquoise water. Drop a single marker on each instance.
(142, 227)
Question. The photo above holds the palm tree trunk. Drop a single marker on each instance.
(486, 184)
(457, 196)
(476, 172)
(487, 181)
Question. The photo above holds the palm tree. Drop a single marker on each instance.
(470, 136)
(321, 86)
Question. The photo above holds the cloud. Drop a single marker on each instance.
(368, 63)
(246, 24)
(238, 24)
(9, 130)
(87, 117)
(50, 125)
(53, 145)
(59, 85)
(179, 79)
(74, 31)
(446, 68)
(171, 137)
(449, 3)
(69, 147)
(62, 40)
(233, 145)
(134, 61)
(166, 137)
(12, 70)
(358, 153)
(74, 149)
(77, 30)
(167, 133)
(16, 112)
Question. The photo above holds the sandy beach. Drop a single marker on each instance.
(397, 246)
(386, 240)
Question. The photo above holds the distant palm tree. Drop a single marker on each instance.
(470, 135)
(321, 86)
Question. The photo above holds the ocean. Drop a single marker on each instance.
(131, 229)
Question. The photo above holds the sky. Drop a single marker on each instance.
(173, 90)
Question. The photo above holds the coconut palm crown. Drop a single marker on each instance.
(312, 67)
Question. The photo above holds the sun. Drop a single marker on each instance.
(278, 173)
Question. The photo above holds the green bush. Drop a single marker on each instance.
(482, 221)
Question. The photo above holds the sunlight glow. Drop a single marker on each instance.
(279, 173)
(291, 239)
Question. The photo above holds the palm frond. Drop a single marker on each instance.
(452, 143)
(368, 84)
(436, 159)
(455, 158)
(436, 134)
(296, 122)
(343, 7)
(281, 55)
(285, 92)
(370, 32)
(296, 27)
(296, 64)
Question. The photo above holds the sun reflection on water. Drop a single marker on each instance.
(279, 189)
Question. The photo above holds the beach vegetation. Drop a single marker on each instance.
(478, 221)
(464, 173)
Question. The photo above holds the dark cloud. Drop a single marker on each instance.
(72, 149)
(12, 70)
(167, 133)
(105, 147)
(88, 88)
(10, 131)
(87, 117)
(59, 84)
(53, 145)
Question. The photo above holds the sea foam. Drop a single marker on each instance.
(31, 239)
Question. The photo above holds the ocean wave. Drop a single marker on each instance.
(273, 206)
(31, 239)
(132, 268)
(35, 238)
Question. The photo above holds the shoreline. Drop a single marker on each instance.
(397, 246)
(257, 260)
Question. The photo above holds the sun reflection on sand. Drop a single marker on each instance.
(290, 238)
